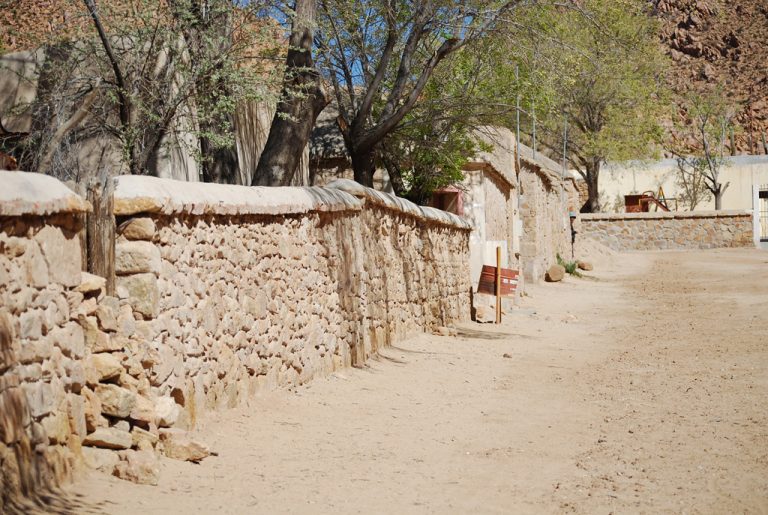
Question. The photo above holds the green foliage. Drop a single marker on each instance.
(571, 267)
(381, 59)
(600, 70)
(436, 138)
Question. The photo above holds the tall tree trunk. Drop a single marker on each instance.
(301, 102)
(364, 166)
(592, 205)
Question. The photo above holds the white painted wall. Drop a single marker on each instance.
(743, 172)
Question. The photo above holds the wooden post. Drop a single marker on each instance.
(498, 285)
(100, 228)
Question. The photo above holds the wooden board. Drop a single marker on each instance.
(488, 281)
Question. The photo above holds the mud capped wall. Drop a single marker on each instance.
(241, 288)
(668, 231)
(220, 291)
(42, 342)
(544, 206)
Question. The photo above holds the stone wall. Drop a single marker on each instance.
(498, 209)
(544, 206)
(244, 294)
(220, 291)
(668, 231)
(42, 343)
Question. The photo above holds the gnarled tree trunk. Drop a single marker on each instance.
(301, 102)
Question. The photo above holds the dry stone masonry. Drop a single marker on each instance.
(668, 231)
(220, 291)
(546, 199)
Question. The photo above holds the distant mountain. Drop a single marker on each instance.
(721, 42)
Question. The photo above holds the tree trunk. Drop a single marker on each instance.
(395, 174)
(219, 164)
(718, 194)
(364, 166)
(592, 205)
(301, 102)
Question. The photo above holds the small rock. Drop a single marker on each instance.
(107, 318)
(41, 398)
(144, 410)
(93, 418)
(485, 314)
(166, 411)
(76, 414)
(142, 293)
(115, 401)
(102, 460)
(140, 467)
(555, 273)
(126, 324)
(138, 229)
(442, 331)
(102, 367)
(177, 445)
(136, 257)
(109, 438)
(122, 425)
(56, 426)
(90, 283)
(31, 325)
(62, 253)
(143, 439)
(585, 265)
(507, 355)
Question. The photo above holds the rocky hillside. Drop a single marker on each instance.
(713, 42)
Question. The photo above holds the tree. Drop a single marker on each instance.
(602, 65)
(700, 155)
(301, 101)
(379, 55)
(472, 90)
(689, 177)
(154, 77)
(131, 76)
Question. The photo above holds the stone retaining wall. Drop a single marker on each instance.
(668, 231)
(220, 291)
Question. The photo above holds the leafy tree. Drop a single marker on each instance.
(469, 92)
(379, 56)
(154, 77)
(601, 64)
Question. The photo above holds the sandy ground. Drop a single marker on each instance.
(643, 389)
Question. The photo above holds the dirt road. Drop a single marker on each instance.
(644, 389)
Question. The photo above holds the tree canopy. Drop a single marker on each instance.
(601, 89)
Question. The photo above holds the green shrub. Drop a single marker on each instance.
(572, 267)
